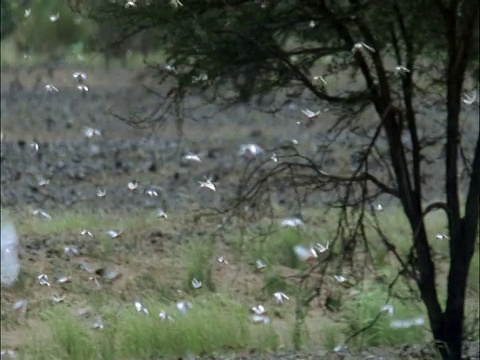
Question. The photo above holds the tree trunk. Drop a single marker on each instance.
(449, 334)
(449, 337)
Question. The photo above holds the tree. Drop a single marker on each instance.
(260, 47)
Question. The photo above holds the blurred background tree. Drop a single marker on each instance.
(7, 24)
(43, 27)
(58, 29)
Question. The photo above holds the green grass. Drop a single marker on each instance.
(74, 221)
(214, 324)
(68, 337)
(69, 224)
(274, 248)
(360, 310)
(128, 334)
(199, 259)
(332, 336)
(274, 282)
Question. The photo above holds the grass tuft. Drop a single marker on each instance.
(199, 260)
(274, 282)
(214, 324)
(71, 339)
(359, 312)
(275, 248)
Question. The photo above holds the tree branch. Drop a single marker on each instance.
(362, 178)
(435, 206)
(298, 74)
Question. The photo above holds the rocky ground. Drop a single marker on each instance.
(77, 166)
